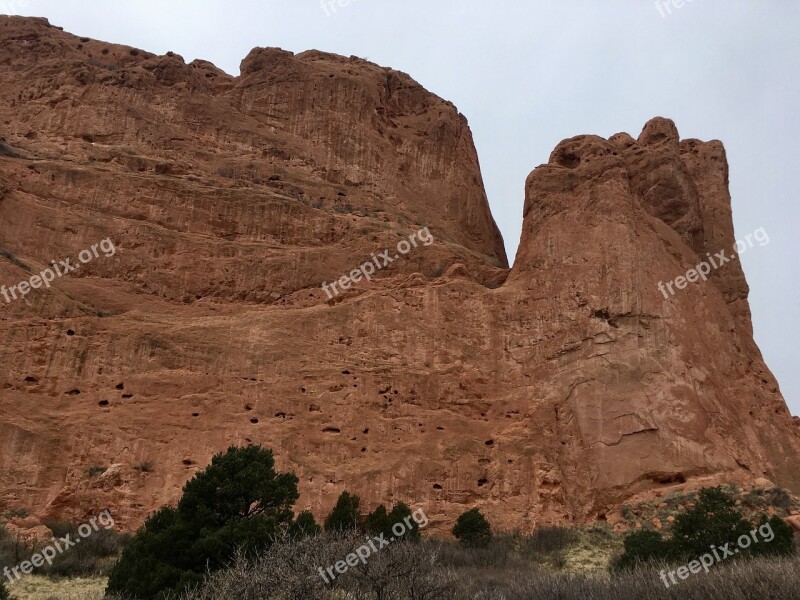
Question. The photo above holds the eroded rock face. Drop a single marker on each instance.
(550, 392)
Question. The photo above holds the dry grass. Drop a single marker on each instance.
(36, 587)
(592, 553)
(436, 571)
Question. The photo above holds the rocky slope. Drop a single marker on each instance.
(553, 391)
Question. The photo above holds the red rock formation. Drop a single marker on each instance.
(550, 392)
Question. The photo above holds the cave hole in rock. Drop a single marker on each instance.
(604, 315)
(670, 478)
(568, 160)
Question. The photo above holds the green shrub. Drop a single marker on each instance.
(380, 522)
(344, 515)
(377, 522)
(12, 550)
(643, 546)
(472, 529)
(400, 514)
(304, 526)
(237, 502)
(713, 521)
(95, 470)
(145, 467)
(783, 542)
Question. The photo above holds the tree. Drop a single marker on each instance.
(713, 520)
(344, 515)
(237, 502)
(377, 522)
(642, 546)
(782, 544)
(381, 522)
(304, 526)
(472, 529)
(400, 514)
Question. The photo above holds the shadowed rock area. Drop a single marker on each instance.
(550, 392)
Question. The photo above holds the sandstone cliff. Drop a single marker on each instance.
(549, 392)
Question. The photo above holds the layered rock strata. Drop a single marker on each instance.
(550, 392)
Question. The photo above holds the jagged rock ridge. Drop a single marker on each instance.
(549, 392)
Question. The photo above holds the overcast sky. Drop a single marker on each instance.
(529, 73)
